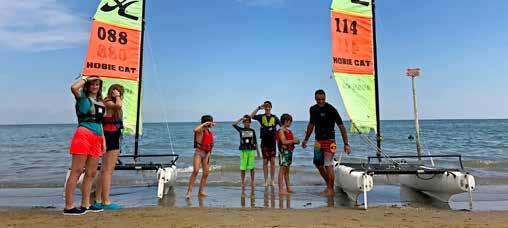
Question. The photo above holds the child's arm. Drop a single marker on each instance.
(237, 122)
(256, 110)
(114, 102)
(235, 125)
(117, 104)
(200, 127)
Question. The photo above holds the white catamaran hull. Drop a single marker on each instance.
(440, 186)
(166, 180)
(353, 183)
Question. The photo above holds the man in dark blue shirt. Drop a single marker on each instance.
(323, 117)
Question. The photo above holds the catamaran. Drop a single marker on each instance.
(115, 53)
(355, 70)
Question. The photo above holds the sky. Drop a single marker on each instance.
(225, 57)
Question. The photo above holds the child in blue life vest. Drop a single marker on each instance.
(203, 144)
(286, 144)
(248, 146)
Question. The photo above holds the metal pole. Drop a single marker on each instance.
(417, 126)
(140, 83)
(378, 125)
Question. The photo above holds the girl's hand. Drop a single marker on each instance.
(116, 93)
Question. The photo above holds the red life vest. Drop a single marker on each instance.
(206, 144)
(289, 136)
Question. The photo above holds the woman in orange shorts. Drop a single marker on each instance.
(87, 144)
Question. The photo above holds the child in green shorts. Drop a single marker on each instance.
(248, 146)
(286, 143)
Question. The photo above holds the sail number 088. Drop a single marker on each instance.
(111, 35)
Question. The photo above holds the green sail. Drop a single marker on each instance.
(358, 7)
(123, 13)
(130, 102)
(358, 95)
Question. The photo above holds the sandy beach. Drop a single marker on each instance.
(221, 217)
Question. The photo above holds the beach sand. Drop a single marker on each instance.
(222, 217)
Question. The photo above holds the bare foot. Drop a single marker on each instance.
(187, 196)
(266, 184)
(283, 193)
(202, 194)
(290, 190)
(273, 183)
(252, 185)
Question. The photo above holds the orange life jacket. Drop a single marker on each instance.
(206, 144)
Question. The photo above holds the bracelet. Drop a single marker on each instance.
(84, 79)
(346, 144)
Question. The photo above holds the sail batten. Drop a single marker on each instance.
(114, 53)
(353, 61)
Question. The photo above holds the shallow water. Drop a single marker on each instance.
(35, 159)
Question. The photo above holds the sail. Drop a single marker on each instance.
(353, 61)
(114, 52)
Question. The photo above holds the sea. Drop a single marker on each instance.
(35, 159)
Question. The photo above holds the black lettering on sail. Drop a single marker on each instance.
(360, 2)
(121, 8)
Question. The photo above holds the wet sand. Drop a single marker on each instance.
(486, 198)
(221, 217)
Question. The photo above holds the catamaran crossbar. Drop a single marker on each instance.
(145, 166)
(403, 168)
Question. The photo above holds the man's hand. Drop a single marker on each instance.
(304, 144)
(347, 149)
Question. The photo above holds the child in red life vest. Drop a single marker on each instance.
(286, 144)
(203, 144)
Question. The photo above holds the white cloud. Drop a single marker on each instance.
(263, 3)
(40, 25)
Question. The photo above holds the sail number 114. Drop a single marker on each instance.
(345, 27)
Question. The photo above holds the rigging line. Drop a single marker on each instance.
(425, 148)
(374, 145)
(164, 110)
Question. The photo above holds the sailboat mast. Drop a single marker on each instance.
(413, 73)
(140, 83)
(417, 125)
(378, 125)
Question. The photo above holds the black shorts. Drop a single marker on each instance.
(112, 140)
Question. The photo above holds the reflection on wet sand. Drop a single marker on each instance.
(201, 202)
(269, 197)
(252, 197)
(304, 197)
(415, 198)
(286, 198)
(168, 200)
